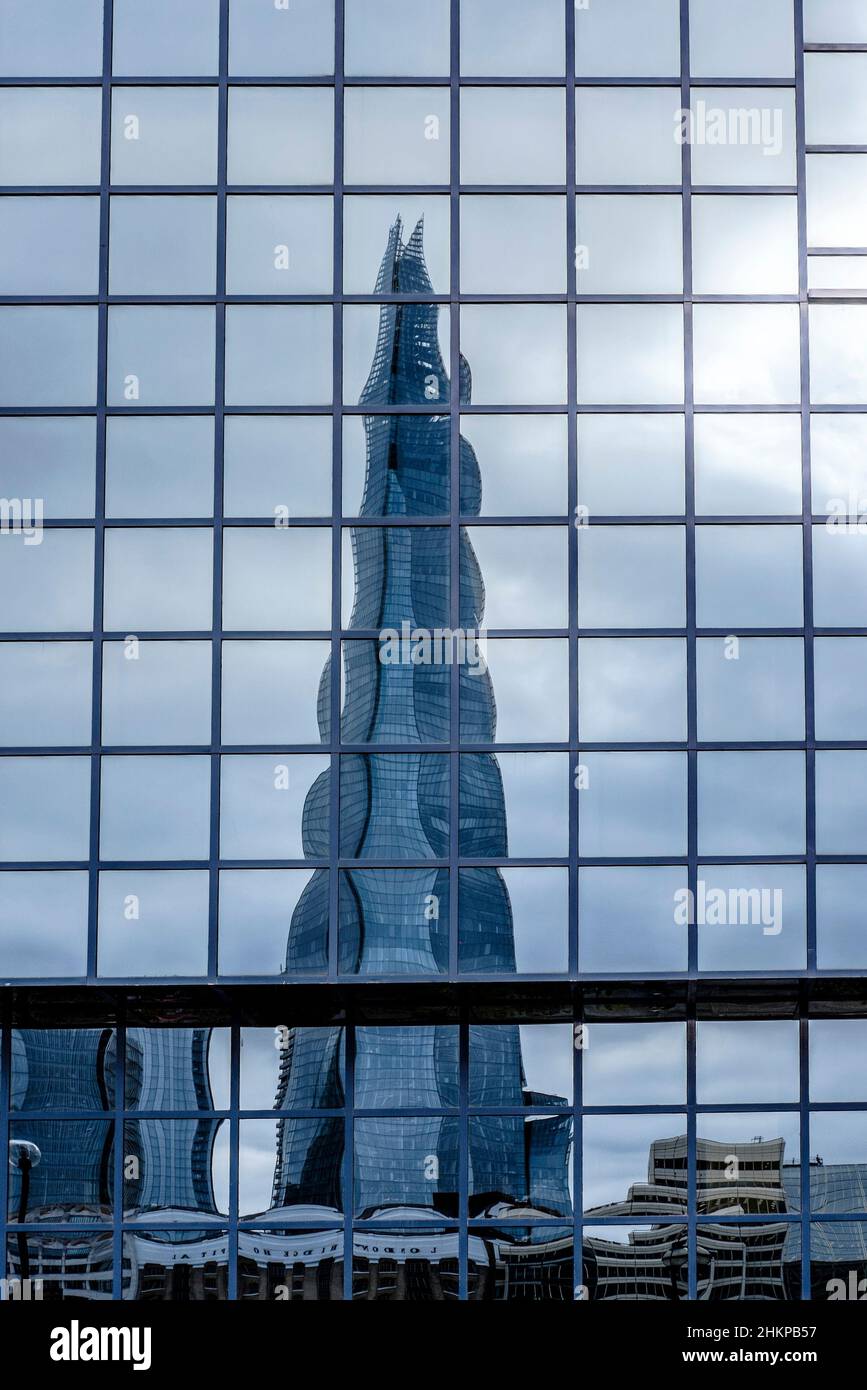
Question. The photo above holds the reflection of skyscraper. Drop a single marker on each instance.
(396, 807)
(167, 1069)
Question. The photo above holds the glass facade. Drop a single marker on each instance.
(433, 639)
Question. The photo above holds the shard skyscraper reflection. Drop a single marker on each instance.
(395, 921)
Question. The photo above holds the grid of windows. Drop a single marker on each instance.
(432, 547)
(206, 1164)
(657, 332)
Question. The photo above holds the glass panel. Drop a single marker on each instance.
(49, 246)
(634, 1064)
(155, 807)
(276, 578)
(163, 135)
(751, 917)
(747, 1062)
(746, 465)
(834, 21)
(279, 245)
(53, 458)
(505, 37)
(841, 938)
(751, 803)
(159, 466)
(840, 673)
(632, 804)
(746, 245)
(52, 39)
(631, 576)
(749, 576)
(838, 354)
(836, 1047)
(27, 786)
(43, 924)
(717, 38)
(163, 245)
(152, 923)
(531, 683)
(156, 692)
(270, 690)
(273, 921)
(165, 38)
(375, 373)
(296, 39)
(628, 38)
(366, 227)
(269, 806)
(624, 135)
(161, 355)
(750, 689)
(630, 354)
(635, 1262)
(394, 922)
(839, 577)
(629, 244)
(841, 804)
(513, 245)
(396, 135)
(835, 86)
(747, 354)
(516, 352)
(741, 135)
(632, 690)
(48, 355)
(389, 37)
(522, 465)
(631, 465)
(526, 593)
(623, 1155)
(71, 1181)
(513, 135)
(158, 579)
(277, 465)
(304, 152)
(278, 354)
(514, 805)
(626, 920)
(180, 1167)
(49, 587)
(50, 135)
(837, 199)
(514, 921)
(45, 693)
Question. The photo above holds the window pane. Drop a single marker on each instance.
(624, 135)
(53, 458)
(631, 576)
(626, 920)
(163, 37)
(513, 245)
(367, 223)
(635, 1064)
(45, 693)
(746, 245)
(276, 578)
(159, 466)
(27, 786)
(394, 922)
(836, 98)
(747, 354)
(749, 576)
(837, 199)
(296, 40)
(632, 690)
(841, 802)
(387, 37)
(628, 38)
(834, 21)
(630, 354)
(841, 939)
(158, 579)
(163, 246)
(631, 465)
(742, 135)
(524, 571)
(49, 246)
(517, 353)
(267, 926)
(747, 1062)
(746, 465)
(48, 355)
(513, 135)
(396, 135)
(751, 803)
(164, 135)
(535, 903)
(161, 355)
(530, 679)
(52, 39)
(43, 924)
(535, 790)
(750, 689)
(304, 116)
(505, 37)
(262, 801)
(279, 245)
(278, 354)
(270, 692)
(50, 135)
(48, 587)
(718, 44)
(416, 375)
(156, 692)
(751, 917)
(840, 671)
(839, 577)
(629, 244)
(838, 354)
(155, 808)
(168, 936)
(277, 462)
(632, 804)
(522, 465)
